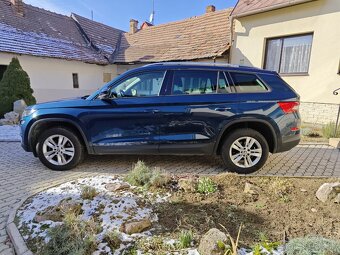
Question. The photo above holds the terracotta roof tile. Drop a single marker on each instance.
(195, 38)
(43, 33)
(248, 7)
(47, 34)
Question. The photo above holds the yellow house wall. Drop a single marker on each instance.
(321, 17)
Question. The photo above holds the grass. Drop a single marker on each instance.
(73, 237)
(88, 192)
(113, 240)
(313, 246)
(328, 131)
(185, 239)
(281, 188)
(206, 186)
(143, 176)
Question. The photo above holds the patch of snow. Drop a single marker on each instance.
(116, 208)
(10, 133)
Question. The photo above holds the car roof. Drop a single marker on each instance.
(203, 65)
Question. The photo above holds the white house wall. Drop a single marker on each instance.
(51, 79)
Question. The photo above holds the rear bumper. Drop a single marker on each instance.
(289, 143)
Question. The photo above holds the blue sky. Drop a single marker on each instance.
(117, 13)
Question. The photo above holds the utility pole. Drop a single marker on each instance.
(92, 15)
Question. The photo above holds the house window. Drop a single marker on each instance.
(289, 55)
(2, 70)
(75, 81)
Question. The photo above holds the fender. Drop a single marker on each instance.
(69, 121)
(259, 119)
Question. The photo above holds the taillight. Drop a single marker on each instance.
(289, 107)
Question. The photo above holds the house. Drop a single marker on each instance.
(73, 56)
(298, 38)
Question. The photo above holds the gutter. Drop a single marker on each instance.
(271, 8)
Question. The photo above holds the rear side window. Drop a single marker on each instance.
(247, 83)
(188, 82)
(275, 81)
(223, 86)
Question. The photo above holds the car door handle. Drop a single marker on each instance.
(222, 109)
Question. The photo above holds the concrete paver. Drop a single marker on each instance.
(21, 174)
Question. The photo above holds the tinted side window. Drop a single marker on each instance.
(275, 82)
(141, 85)
(247, 83)
(188, 82)
(223, 85)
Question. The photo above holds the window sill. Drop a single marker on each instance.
(293, 74)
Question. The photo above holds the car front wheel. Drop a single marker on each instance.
(244, 151)
(60, 149)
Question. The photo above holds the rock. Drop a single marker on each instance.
(337, 199)
(328, 191)
(208, 244)
(57, 213)
(19, 106)
(188, 184)
(11, 118)
(135, 227)
(303, 190)
(250, 188)
(117, 186)
(314, 210)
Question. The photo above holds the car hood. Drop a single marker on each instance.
(64, 103)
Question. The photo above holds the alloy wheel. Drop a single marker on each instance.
(245, 152)
(58, 150)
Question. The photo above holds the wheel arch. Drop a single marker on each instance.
(40, 125)
(264, 127)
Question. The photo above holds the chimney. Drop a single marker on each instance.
(18, 7)
(133, 26)
(210, 8)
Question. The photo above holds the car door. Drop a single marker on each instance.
(125, 122)
(198, 106)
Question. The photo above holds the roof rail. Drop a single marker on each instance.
(192, 64)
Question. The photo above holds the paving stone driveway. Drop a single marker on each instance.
(21, 174)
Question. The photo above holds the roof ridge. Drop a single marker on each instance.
(42, 10)
(93, 21)
(230, 9)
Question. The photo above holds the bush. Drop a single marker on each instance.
(142, 175)
(206, 186)
(15, 85)
(73, 237)
(329, 129)
(313, 246)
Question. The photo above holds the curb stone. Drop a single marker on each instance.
(16, 238)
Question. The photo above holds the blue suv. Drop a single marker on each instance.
(239, 113)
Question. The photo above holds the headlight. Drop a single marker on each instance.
(28, 112)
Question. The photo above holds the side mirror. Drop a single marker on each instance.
(103, 95)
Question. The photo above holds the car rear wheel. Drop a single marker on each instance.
(244, 151)
(60, 149)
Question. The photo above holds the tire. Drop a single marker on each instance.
(248, 159)
(48, 144)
